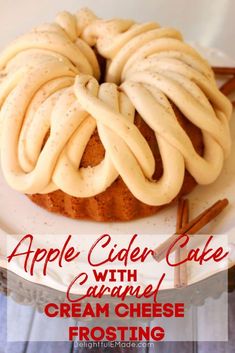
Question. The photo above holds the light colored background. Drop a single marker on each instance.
(209, 22)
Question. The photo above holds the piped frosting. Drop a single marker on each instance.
(51, 103)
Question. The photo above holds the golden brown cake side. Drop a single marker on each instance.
(117, 203)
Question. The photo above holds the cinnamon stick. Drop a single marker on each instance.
(228, 86)
(223, 70)
(180, 211)
(180, 272)
(191, 227)
(183, 251)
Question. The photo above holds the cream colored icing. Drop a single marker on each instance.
(48, 86)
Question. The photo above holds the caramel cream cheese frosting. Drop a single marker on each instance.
(51, 103)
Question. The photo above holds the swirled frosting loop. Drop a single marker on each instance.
(51, 104)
